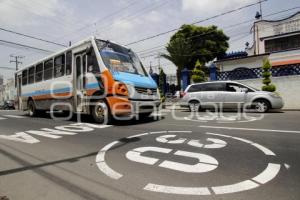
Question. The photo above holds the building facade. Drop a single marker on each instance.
(7, 91)
(278, 41)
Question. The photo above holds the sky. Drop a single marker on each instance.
(123, 21)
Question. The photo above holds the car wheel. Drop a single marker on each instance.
(101, 112)
(261, 106)
(194, 106)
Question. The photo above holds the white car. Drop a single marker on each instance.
(229, 94)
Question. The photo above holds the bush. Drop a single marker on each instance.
(269, 88)
(266, 74)
(198, 75)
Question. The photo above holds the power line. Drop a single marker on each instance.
(137, 14)
(32, 37)
(24, 46)
(196, 22)
(146, 51)
(7, 68)
(100, 20)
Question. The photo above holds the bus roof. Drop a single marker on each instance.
(89, 39)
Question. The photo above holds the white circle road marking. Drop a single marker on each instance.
(264, 177)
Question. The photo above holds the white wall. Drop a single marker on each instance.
(249, 62)
(287, 86)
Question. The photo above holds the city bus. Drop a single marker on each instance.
(95, 77)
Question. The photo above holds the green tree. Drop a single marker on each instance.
(266, 73)
(192, 43)
(198, 75)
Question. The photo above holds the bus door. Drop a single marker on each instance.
(19, 92)
(80, 82)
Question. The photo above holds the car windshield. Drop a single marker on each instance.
(120, 59)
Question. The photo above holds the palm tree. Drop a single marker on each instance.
(178, 51)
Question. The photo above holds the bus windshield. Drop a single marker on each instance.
(120, 59)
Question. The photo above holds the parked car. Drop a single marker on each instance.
(229, 94)
(9, 105)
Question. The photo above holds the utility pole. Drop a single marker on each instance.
(15, 59)
(158, 57)
(260, 9)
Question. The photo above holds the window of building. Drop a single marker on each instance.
(69, 63)
(39, 72)
(59, 66)
(48, 70)
(24, 77)
(282, 44)
(31, 75)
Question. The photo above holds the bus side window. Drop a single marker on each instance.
(48, 69)
(69, 63)
(39, 72)
(31, 75)
(92, 64)
(24, 77)
(59, 66)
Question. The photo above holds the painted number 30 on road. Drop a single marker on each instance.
(205, 163)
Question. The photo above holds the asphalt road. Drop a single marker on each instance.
(174, 156)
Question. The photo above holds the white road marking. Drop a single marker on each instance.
(250, 129)
(164, 139)
(205, 163)
(101, 164)
(287, 166)
(157, 132)
(265, 150)
(56, 133)
(15, 116)
(217, 143)
(20, 137)
(75, 128)
(177, 190)
(109, 171)
(135, 154)
(50, 133)
(237, 187)
(268, 174)
(2, 118)
(138, 135)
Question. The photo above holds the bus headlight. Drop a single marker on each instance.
(121, 89)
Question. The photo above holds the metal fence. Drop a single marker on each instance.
(252, 73)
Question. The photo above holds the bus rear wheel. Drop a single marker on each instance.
(31, 109)
(100, 112)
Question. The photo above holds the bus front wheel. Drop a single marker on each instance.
(101, 112)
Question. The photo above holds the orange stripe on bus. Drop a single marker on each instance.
(53, 96)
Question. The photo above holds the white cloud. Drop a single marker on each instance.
(211, 6)
(22, 12)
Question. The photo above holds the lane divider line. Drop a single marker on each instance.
(249, 129)
(15, 116)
